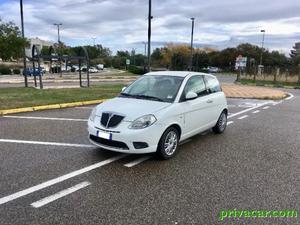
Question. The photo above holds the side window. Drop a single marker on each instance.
(212, 84)
(195, 84)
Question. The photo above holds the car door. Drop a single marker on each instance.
(214, 97)
(196, 113)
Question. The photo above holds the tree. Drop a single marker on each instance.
(11, 42)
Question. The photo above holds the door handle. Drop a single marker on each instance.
(209, 101)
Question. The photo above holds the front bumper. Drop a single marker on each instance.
(123, 134)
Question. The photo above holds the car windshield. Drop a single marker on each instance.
(157, 88)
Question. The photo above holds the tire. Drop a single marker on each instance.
(221, 125)
(168, 143)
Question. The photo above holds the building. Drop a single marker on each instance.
(39, 44)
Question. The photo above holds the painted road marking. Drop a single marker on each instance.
(290, 96)
(49, 183)
(246, 110)
(46, 143)
(266, 107)
(45, 118)
(229, 122)
(276, 103)
(59, 195)
(243, 117)
(256, 111)
(138, 161)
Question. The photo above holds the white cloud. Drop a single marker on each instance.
(123, 23)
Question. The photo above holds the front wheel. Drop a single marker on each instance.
(221, 124)
(168, 143)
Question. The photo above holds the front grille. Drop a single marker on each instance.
(109, 143)
(110, 120)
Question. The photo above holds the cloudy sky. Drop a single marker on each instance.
(122, 24)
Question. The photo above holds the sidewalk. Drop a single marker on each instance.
(242, 91)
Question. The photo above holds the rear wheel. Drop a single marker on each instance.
(221, 124)
(168, 144)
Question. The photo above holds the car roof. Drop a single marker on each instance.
(176, 73)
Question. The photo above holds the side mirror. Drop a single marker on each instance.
(123, 88)
(191, 95)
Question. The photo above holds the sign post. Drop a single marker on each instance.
(240, 64)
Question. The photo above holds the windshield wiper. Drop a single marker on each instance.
(149, 97)
(125, 94)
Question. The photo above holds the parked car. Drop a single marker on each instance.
(212, 69)
(157, 111)
(33, 72)
(100, 67)
(93, 70)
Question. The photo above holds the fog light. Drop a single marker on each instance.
(140, 145)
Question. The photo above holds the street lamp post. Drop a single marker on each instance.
(192, 42)
(58, 42)
(58, 36)
(262, 45)
(145, 55)
(149, 34)
(23, 36)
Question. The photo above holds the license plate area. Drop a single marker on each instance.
(104, 135)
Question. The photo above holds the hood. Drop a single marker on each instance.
(132, 108)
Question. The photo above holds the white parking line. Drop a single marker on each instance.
(45, 118)
(60, 194)
(266, 107)
(276, 103)
(243, 117)
(48, 183)
(229, 122)
(138, 161)
(256, 111)
(46, 143)
(246, 110)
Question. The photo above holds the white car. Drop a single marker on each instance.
(157, 111)
(93, 70)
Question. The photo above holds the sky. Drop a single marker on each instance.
(122, 24)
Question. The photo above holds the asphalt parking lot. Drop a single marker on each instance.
(51, 174)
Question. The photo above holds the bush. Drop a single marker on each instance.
(136, 70)
(4, 70)
(16, 71)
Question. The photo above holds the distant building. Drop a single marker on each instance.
(39, 43)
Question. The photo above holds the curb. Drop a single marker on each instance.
(53, 106)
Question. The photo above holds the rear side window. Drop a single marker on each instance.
(212, 84)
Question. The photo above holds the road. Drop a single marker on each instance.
(50, 174)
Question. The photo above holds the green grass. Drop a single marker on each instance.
(269, 83)
(26, 97)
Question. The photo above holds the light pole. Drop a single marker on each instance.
(58, 36)
(23, 36)
(192, 40)
(58, 42)
(145, 45)
(149, 34)
(262, 46)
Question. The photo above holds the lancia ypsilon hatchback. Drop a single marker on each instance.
(157, 111)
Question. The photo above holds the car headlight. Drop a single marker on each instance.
(93, 114)
(143, 122)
